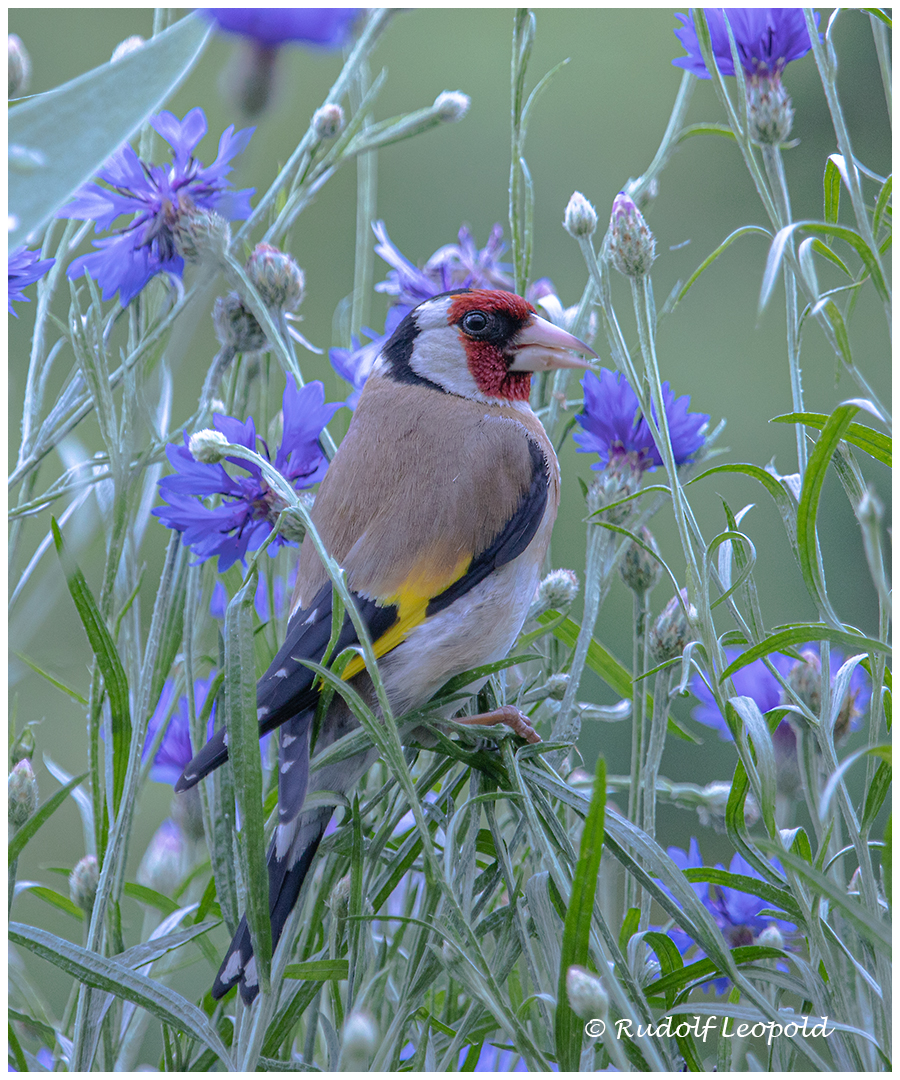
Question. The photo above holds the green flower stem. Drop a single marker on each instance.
(775, 171)
(376, 22)
(654, 752)
(826, 62)
(366, 194)
(644, 185)
(636, 793)
(882, 48)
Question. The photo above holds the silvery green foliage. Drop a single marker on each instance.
(472, 897)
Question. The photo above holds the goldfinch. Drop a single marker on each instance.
(439, 505)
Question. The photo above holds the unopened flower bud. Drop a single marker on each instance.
(202, 235)
(621, 478)
(166, 861)
(124, 48)
(769, 110)
(339, 900)
(632, 247)
(328, 121)
(580, 218)
(360, 1040)
(236, 326)
(23, 747)
(671, 632)
(805, 679)
(278, 279)
(187, 813)
(452, 105)
(712, 811)
(771, 936)
(19, 66)
(23, 793)
(555, 593)
(83, 883)
(556, 686)
(639, 569)
(206, 446)
(586, 994)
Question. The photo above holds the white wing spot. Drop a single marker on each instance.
(281, 673)
(262, 711)
(311, 618)
(250, 977)
(286, 739)
(233, 968)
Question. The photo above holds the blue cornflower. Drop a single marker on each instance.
(244, 518)
(455, 266)
(158, 196)
(25, 267)
(767, 39)
(756, 681)
(737, 914)
(613, 429)
(175, 749)
(327, 28)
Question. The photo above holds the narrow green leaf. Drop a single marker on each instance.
(74, 129)
(706, 970)
(800, 634)
(107, 656)
(51, 896)
(705, 129)
(113, 977)
(37, 819)
(243, 752)
(782, 500)
(887, 862)
(820, 249)
(319, 970)
(832, 182)
(670, 960)
(746, 230)
(875, 443)
(875, 796)
(149, 896)
(67, 690)
(780, 898)
(630, 925)
(807, 538)
(577, 926)
(881, 204)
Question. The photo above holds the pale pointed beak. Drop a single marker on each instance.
(541, 346)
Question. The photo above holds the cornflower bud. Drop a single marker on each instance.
(452, 105)
(202, 235)
(124, 48)
(555, 593)
(23, 747)
(771, 936)
(621, 478)
(557, 685)
(639, 569)
(769, 110)
(19, 66)
(672, 630)
(580, 218)
(360, 1040)
(632, 247)
(166, 861)
(586, 994)
(237, 327)
(206, 446)
(83, 883)
(805, 679)
(328, 121)
(23, 793)
(278, 279)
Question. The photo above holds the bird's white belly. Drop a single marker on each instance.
(477, 629)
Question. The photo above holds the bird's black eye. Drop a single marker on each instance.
(474, 322)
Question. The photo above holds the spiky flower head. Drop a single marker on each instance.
(586, 993)
(83, 883)
(770, 113)
(23, 793)
(632, 246)
(580, 218)
(671, 632)
(236, 326)
(158, 197)
(277, 277)
(328, 121)
(640, 569)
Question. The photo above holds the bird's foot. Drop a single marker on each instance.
(507, 714)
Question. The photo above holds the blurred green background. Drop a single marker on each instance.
(598, 124)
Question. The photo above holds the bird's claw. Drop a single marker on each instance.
(509, 715)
